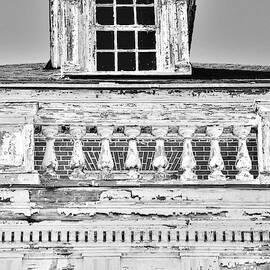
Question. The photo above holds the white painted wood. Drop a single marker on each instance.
(105, 161)
(216, 163)
(199, 263)
(78, 40)
(172, 37)
(77, 162)
(243, 161)
(153, 113)
(50, 162)
(55, 32)
(150, 263)
(160, 161)
(101, 263)
(188, 162)
(133, 162)
(11, 263)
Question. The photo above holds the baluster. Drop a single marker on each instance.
(160, 162)
(133, 162)
(216, 163)
(263, 139)
(50, 163)
(243, 161)
(188, 162)
(105, 161)
(77, 162)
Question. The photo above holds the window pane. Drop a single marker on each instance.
(126, 40)
(126, 61)
(146, 15)
(104, 15)
(124, 2)
(147, 40)
(104, 1)
(105, 40)
(147, 61)
(125, 15)
(105, 61)
(145, 2)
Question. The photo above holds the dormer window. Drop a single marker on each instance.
(121, 36)
(125, 35)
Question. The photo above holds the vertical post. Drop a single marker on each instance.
(55, 33)
(183, 37)
(263, 139)
(172, 38)
(216, 163)
(243, 161)
(105, 162)
(50, 162)
(160, 162)
(264, 149)
(72, 35)
(133, 162)
(77, 162)
(17, 144)
(188, 162)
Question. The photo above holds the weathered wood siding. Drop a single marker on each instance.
(73, 43)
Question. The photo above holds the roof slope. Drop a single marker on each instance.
(202, 73)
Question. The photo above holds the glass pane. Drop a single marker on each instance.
(125, 15)
(146, 15)
(105, 40)
(147, 61)
(145, 2)
(124, 2)
(126, 61)
(126, 40)
(105, 61)
(104, 1)
(104, 15)
(147, 40)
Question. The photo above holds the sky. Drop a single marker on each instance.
(226, 31)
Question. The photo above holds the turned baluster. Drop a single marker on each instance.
(105, 161)
(188, 162)
(243, 161)
(160, 161)
(216, 163)
(50, 163)
(133, 162)
(77, 162)
(263, 141)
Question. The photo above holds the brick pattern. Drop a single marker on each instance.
(146, 147)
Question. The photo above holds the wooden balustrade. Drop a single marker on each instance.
(160, 162)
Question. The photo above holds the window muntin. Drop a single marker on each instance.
(125, 35)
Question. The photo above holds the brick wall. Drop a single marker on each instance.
(146, 147)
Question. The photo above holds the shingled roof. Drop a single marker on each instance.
(202, 73)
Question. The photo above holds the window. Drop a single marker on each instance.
(125, 35)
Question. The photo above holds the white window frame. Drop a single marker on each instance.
(77, 30)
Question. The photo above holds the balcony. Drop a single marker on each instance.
(129, 144)
(93, 132)
(133, 171)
